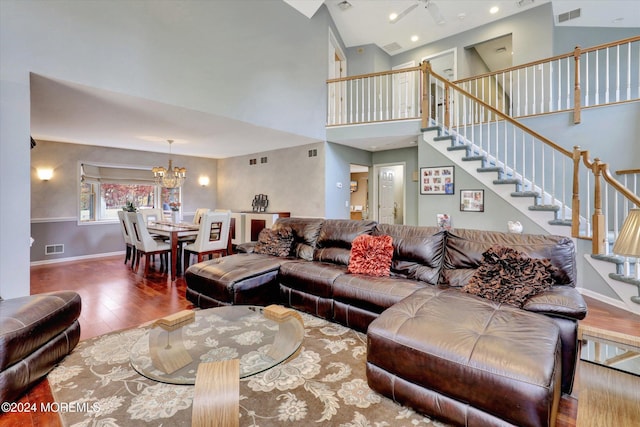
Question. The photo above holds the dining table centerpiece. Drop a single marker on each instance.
(175, 212)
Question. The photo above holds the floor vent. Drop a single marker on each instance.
(53, 249)
(567, 16)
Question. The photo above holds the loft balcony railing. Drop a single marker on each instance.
(583, 194)
(600, 75)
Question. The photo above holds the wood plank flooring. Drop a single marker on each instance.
(114, 297)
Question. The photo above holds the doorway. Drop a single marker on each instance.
(359, 192)
(389, 193)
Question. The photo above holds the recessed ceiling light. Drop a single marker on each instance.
(494, 10)
(617, 20)
(414, 38)
(393, 16)
(462, 15)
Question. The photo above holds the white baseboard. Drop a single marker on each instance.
(76, 258)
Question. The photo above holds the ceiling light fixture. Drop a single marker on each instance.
(393, 16)
(414, 38)
(173, 177)
(494, 10)
(344, 5)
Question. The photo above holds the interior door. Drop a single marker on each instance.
(386, 206)
(403, 93)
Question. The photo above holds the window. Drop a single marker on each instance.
(104, 190)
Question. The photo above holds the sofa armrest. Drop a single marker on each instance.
(562, 301)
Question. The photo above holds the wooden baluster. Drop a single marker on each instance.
(576, 88)
(447, 119)
(599, 234)
(575, 201)
(424, 72)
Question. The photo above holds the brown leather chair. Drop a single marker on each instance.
(36, 332)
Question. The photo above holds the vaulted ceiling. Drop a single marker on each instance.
(66, 112)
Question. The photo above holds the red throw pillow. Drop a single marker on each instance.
(371, 255)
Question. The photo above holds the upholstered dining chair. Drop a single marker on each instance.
(128, 240)
(151, 215)
(212, 238)
(198, 215)
(145, 243)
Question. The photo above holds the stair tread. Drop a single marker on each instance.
(472, 158)
(563, 222)
(525, 194)
(507, 181)
(550, 208)
(458, 147)
(444, 138)
(490, 169)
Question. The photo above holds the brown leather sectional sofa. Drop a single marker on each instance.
(36, 332)
(442, 372)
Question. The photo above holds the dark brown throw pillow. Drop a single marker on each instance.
(371, 255)
(274, 242)
(509, 276)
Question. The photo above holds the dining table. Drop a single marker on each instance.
(174, 231)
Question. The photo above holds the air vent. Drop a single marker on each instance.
(567, 16)
(392, 46)
(54, 249)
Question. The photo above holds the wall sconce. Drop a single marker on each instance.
(203, 181)
(45, 174)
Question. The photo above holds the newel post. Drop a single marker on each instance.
(577, 93)
(575, 200)
(599, 235)
(425, 69)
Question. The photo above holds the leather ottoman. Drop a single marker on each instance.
(466, 360)
(235, 279)
(36, 332)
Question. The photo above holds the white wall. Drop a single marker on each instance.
(293, 181)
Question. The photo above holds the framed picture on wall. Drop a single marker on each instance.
(437, 180)
(472, 200)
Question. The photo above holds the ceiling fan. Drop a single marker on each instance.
(430, 5)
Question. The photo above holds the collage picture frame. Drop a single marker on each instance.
(437, 180)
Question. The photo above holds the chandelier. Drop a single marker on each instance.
(173, 177)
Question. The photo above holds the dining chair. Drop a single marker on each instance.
(145, 244)
(128, 241)
(151, 214)
(212, 238)
(198, 215)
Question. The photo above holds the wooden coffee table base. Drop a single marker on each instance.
(216, 395)
(217, 391)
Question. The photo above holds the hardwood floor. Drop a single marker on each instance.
(114, 297)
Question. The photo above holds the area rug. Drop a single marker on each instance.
(324, 385)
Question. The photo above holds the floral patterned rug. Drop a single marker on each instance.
(324, 385)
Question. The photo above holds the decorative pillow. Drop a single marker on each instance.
(371, 255)
(274, 242)
(509, 276)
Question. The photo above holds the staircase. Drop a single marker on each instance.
(472, 123)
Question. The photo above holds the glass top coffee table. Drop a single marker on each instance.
(258, 337)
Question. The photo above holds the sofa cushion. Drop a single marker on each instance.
(276, 242)
(305, 235)
(336, 235)
(374, 294)
(464, 249)
(315, 278)
(418, 251)
(371, 255)
(510, 276)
